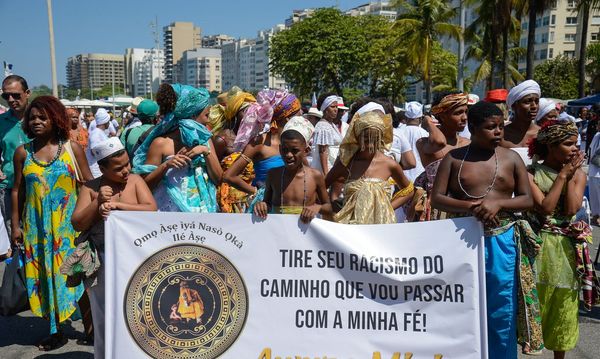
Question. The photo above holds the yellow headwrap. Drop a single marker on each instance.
(352, 142)
(236, 100)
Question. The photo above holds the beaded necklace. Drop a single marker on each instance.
(493, 180)
(46, 164)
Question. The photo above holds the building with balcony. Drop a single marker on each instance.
(179, 37)
(93, 71)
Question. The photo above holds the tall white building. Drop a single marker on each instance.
(144, 70)
(246, 63)
(202, 68)
(178, 37)
(558, 32)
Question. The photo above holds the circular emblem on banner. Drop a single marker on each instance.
(186, 301)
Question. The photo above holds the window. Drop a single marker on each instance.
(571, 3)
(570, 37)
(546, 21)
(543, 54)
(523, 42)
(551, 37)
(544, 38)
(570, 54)
(595, 20)
(524, 26)
(594, 36)
(572, 20)
(550, 53)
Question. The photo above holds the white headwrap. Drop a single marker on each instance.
(521, 90)
(106, 148)
(565, 117)
(414, 110)
(371, 106)
(102, 117)
(301, 125)
(546, 106)
(328, 101)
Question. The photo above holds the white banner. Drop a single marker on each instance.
(210, 285)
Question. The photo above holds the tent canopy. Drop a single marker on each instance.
(586, 101)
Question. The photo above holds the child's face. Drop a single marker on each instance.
(566, 150)
(117, 169)
(489, 134)
(293, 152)
(527, 107)
(455, 118)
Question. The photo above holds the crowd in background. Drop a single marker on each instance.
(514, 160)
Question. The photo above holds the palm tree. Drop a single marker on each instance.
(424, 22)
(584, 7)
(534, 8)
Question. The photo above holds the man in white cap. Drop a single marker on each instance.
(116, 189)
(413, 132)
(97, 135)
(134, 121)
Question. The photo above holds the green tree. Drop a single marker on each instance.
(592, 68)
(41, 90)
(422, 23)
(322, 52)
(557, 77)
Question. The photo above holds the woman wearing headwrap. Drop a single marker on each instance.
(547, 112)
(328, 135)
(563, 265)
(366, 170)
(176, 158)
(258, 138)
(451, 112)
(523, 101)
(230, 114)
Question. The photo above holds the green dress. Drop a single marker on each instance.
(557, 281)
(48, 236)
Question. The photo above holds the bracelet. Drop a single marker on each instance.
(245, 158)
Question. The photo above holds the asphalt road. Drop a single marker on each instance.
(20, 334)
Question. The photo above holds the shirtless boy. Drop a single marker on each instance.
(116, 189)
(295, 188)
(491, 183)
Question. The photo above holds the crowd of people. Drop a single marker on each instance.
(514, 160)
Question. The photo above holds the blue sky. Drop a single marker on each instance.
(110, 26)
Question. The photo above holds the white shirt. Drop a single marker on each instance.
(400, 145)
(96, 136)
(413, 134)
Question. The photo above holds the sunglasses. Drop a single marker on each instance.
(7, 95)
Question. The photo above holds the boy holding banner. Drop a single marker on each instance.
(116, 189)
(295, 188)
(491, 183)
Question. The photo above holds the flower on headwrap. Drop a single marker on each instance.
(551, 133)
(371, 120)
(288, 106)
(450, 102)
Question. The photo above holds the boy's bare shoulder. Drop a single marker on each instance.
(457, 153)
(93, 185)
(509, 154)
(135, 178)
(315, 173)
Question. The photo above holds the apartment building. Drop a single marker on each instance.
(381, 8)
(144, 70)
(179, 37)
(202, 68)
(216, 41)
(85, 71)
(558, 32)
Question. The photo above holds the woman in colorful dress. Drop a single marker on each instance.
(258, 139)
(78, 134)
(563, 265)
(44, 197)
(177, 158)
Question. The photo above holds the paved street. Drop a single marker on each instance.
(19, 334)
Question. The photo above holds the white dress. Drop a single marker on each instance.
(327, 134)
(413, 134)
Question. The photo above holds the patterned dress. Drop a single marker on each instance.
(50, 196)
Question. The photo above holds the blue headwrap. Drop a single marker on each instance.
(200, 192)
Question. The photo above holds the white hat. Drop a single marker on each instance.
(546, 105)
(414, 110)
(472, 99)
(340, 101)
(102, 117)
(301, 125)
(313, 111)
(565, 117)
(523, 89)
(106, 148)
(371, 106)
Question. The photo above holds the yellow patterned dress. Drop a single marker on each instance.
(229, 198)
(48, 236)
